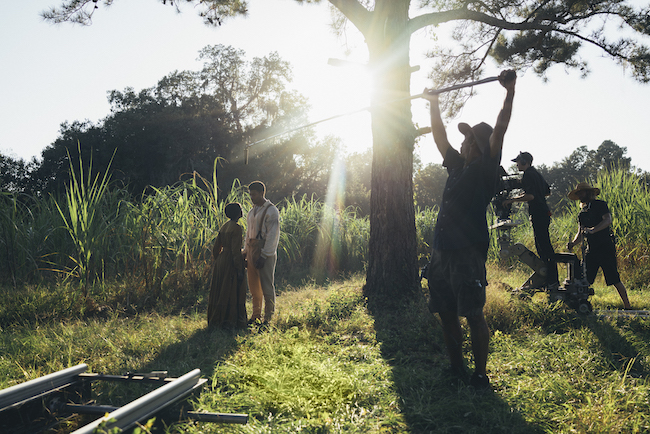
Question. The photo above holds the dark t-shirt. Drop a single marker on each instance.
(533, 183)
(468, 191)
(590, 216)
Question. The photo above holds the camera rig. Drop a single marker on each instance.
(574, 290)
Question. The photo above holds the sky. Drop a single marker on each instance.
(50, 74)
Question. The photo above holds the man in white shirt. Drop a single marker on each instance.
(260, 250)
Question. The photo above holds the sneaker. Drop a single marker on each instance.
(480, 382)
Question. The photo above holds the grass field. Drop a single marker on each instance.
(120, 284)
(327, 365)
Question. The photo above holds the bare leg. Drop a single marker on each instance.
(480, 334)
(623, 293)
(453, 335)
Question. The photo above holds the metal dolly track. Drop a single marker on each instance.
(123, 418)
(623, 313)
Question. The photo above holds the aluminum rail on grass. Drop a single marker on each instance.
(217, 417)
(622, 313)
(152, 377)
(20, 393)
(193, 415)
(147, 405)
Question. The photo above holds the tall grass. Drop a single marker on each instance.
(88, 217)
(629, 200)
(10, 237)
(425, 222)
(162, 240)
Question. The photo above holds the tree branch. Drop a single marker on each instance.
(436, 18)
(355, 12)
(74, 11)
(81, 11)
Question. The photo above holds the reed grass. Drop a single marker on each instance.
(87, 217)
(165, 236)
(163, 239)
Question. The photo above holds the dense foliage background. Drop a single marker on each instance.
(139, 196)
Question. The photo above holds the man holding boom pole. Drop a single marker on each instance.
(457, 276)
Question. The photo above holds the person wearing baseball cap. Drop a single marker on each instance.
(535, 191)
(457, 276)
(595, 224)
(524, 157)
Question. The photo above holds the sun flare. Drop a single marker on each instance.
(344, 93)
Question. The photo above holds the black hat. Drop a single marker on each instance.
(524, 157)
(480, 132)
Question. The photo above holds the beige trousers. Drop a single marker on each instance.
(261, 284)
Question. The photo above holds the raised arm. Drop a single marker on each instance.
(507, 79)
(437, 127)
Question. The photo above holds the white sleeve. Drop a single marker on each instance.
(271, 228)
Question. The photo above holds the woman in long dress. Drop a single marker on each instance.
(227, 301)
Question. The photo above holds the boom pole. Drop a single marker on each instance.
(420, 95)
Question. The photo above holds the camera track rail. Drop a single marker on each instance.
(622, 313)
(44, 403)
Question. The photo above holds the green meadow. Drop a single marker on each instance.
(121, 284)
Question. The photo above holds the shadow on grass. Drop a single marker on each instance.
(204, 349)
(622, 341)
(431, 401)
(623, 346)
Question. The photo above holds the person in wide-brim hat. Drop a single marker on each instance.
(595, 221)
(583, 186)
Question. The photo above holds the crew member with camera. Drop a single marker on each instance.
(535, 191)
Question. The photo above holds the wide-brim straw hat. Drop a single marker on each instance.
(583, 186)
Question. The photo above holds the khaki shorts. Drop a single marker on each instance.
(457, 281)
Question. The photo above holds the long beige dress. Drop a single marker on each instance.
(227, 301)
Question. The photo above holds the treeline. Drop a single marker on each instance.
(195, 122)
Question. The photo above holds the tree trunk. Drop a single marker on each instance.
(392, 267)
